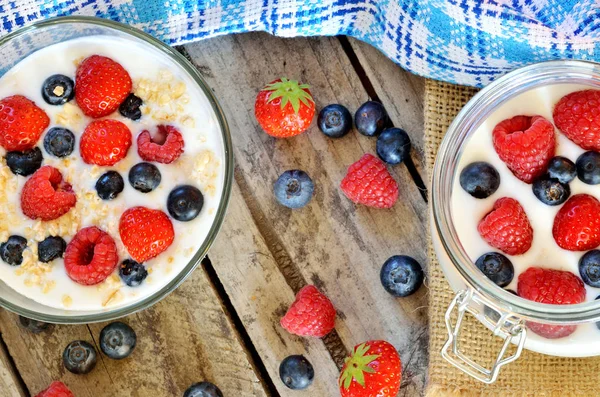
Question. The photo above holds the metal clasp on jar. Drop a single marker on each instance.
(503, 324)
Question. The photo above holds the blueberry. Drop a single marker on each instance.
(24, 163)
(109, 185)
(59, 142)
(589, 268)
(11, 251)
(588, 168)
(58, 89)
(79, 357)
(371, 118)
(293, 189)
(401, 275)
(185, 203)
(117, 340)
(144, 177)
(132, 273)
(496, 267)
(130, 107)
(203, 389)
(296, 372)
(335, 121)
(480, 179)
(50, 248)
(393, 145)
(550, 191)
(562, 169)
(33, 326)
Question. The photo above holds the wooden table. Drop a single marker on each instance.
(222, 324)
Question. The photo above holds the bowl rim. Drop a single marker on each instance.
(181, 60)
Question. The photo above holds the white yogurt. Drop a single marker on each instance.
(201, 165)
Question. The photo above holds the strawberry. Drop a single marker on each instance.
(145, 233)
(526, 144)
(577, 115)
(101, 85)
(105, 142)
(56, 389)
(373, 370)
(46, 195)
(284, 108)
(21, 123)
(163, 147)
(577, 224)
(506, 227)
(368, 182)
(91, 256)
(311, 314)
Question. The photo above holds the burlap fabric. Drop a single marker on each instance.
(531, 375)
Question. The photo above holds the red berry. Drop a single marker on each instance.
(164, 147)
(56, 389)
(507, 227)
(577, 224)
(46, 195)
(101, 84)
(21, 123)
(577, 115)
(105, 142)
(311, 314)
(555, 287)
(368, 182)
(91, 256)
(145, 233)
(526, 144)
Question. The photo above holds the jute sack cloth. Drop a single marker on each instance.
(532, 374)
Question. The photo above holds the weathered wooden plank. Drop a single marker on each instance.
(9, 383)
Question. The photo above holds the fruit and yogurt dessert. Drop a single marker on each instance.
(111, 173)
(525, 201)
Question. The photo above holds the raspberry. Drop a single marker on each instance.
(368, 182)
(577, 115)
(577, 224)
(311, 314)
(164, 147)
(21, 123)
(555, 287)
(526, 144)
(56, 389)
(507, 227)
(145, 233)
(105, 142)
(46, 195)
(91, 256)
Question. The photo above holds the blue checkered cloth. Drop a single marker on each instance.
(461, 41)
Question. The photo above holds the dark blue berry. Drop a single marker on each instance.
(144, 177)
(79, 357)
(589, 268)
(393, 145)
(59, 142)
(132, 273)
(33, 326)
(550, 191)
(296, 372)
(371, 118)
(185, 203)
(58, 89)
(50, 248)
(11, 251)
(203, 389)
(401, 275)
(480, 179)
(25, 163)
(562, 169)
(109, 185)
(588, 168)
(293, 189)
(335, 121)
(496, 267)
(117, 340)
(130, 107)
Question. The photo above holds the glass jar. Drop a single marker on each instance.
(505, 314)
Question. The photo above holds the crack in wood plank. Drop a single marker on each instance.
(10, 378)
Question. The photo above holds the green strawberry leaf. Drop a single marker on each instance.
(290, 91)
(357, 366)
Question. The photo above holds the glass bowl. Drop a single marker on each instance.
(25, 41)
